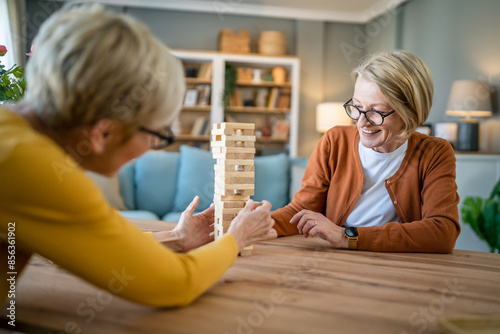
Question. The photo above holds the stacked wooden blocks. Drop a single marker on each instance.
(233, 146)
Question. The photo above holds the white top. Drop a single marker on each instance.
(374, 206)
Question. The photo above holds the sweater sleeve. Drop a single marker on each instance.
(435, 203)
(313, 192)
(62, 215)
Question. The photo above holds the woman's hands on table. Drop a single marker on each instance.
(315, 224)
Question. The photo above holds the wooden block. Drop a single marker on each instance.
(223, 131)
(234, 180)
(223, 173)
(225, 218)
(223, 198)
(233, 155)
(234, 168)
(244, 190)
(247, 251)
(233, 162)
(226, 138)
(223, 149)
(242, 144)
(227, 211)
(230, 204)
(240, 126)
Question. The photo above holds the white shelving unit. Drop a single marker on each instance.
(219, 61)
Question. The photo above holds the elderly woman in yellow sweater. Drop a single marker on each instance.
(102, 91)
(379, 185)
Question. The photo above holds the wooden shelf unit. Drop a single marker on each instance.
(257, 115)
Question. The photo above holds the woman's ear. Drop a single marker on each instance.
(104, 133)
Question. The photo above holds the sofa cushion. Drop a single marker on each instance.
(272, 179)
(110, 188)
(127, 187)
(142, 214)
(196, 177)
(298, 168)
(155, 180)
(172, 217)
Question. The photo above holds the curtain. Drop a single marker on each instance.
(16, 13)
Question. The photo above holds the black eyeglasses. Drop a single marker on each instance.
(160, 140)
(374, 117)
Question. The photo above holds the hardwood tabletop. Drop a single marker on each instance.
(287, 285)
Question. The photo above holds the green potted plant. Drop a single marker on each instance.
(483, 215)
(12, 83)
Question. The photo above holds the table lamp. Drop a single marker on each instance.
(329, 114)
(469, 98)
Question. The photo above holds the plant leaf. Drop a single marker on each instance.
(496, 191)
(472, 212)
(490, 213)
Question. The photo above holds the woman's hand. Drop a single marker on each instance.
(195, 231)
(252, 225)
(191, 231)
(314, 224)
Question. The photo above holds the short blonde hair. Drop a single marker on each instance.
(90, 64)
(406, 83)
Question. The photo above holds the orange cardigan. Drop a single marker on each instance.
(423, 191)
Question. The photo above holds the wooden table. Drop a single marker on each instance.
(288, 285)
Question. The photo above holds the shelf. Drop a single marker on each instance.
(198, 81)
(272, 140)
(263, 84)
(186, 137)
(196, 108)
(258, 110)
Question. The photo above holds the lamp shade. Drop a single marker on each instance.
(469, 98)
(329, 114)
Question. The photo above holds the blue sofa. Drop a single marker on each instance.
(160, 185)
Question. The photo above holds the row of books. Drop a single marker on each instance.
(263, 98)
(198, 96)
(205, 71)
(201, 126)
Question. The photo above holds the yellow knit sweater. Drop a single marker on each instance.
(52, 208)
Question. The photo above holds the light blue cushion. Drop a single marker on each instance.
(272, 179)
(172, 217)
(155, 179)
(127, 187)
(142, 214)
(196, 177)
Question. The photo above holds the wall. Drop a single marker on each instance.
(457, 39)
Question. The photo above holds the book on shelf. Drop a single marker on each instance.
(203, 95)
(236, 99)
(200, 126)
(284, 98)
(191, 97)
(205, 71)
(273, 97)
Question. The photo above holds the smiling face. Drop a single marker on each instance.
(382, 138)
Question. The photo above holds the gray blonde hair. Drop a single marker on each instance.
(90, 64)
(405, 82)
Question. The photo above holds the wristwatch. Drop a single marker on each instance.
(351, 233)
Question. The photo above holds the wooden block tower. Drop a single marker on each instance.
(233, 145)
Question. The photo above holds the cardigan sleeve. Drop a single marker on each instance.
(427, 204)
(313, 192)
(61, 215)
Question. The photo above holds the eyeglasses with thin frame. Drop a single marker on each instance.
(373, 116)
(160, 140)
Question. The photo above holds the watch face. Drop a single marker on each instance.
(351, 232)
